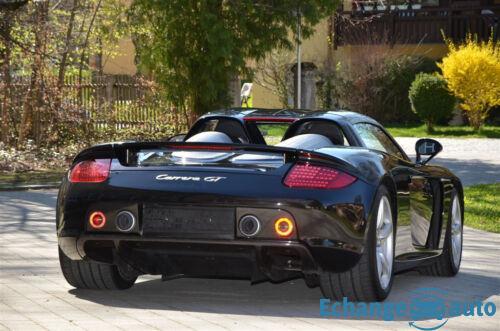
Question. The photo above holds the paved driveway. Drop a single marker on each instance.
(34, 295)
(475, 161)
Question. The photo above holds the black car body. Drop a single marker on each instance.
(185, 218)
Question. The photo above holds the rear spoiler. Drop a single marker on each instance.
(121, 150)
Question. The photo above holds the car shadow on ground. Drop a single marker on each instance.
(469, 171)
(289, 299)
(472, 171)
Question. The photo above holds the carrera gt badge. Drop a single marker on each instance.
(210, 179)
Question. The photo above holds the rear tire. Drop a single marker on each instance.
(92, 275)
(311, 280)
(448, 263)
(363, 282)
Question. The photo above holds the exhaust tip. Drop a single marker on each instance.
(125, 221)
(249, 225)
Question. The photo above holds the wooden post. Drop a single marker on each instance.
(392, 29)
(450, 33)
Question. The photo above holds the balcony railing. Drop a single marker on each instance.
(426, 25)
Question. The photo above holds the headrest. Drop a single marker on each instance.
(211, 137)
(309, 141)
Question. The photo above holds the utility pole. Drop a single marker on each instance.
(299, 64)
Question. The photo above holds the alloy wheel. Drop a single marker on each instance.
(385, 243)
(456, 232)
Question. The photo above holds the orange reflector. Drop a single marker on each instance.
(283, 227)
(97, 220)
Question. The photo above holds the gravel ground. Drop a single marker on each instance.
(475, 161)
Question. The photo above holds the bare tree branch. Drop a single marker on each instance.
(272, 74)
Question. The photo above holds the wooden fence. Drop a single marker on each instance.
(119, 101)
(426, 25)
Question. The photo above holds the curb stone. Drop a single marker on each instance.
(24, 187)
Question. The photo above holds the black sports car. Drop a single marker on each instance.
(335, 201)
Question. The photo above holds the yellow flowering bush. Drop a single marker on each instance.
(472, 71)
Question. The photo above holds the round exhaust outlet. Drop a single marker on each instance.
(249, 225)
(125, 221)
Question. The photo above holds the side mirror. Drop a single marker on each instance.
(427, 147)
(177, 138)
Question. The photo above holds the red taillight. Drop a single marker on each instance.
(283, 227)
(305, 175)
(91, 171)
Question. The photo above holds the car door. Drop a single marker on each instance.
(415, 192)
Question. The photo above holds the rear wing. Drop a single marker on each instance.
(121, 151)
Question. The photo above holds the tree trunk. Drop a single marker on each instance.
(84, 47)
(475, 122)
(34, 98)
(6, 85)
(64, 56)
(430, 127)
(199, 107)
(235, 90)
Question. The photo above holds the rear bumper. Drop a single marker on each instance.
(250, 259)
(330, 229)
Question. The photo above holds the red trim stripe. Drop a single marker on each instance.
(204, 147)
(270, 119)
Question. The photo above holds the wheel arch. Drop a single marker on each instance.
(388, 181)
(460, 189)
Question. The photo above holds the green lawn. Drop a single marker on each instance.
(273, 133)
(482, 207)
(8, 179)
(444, 131)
